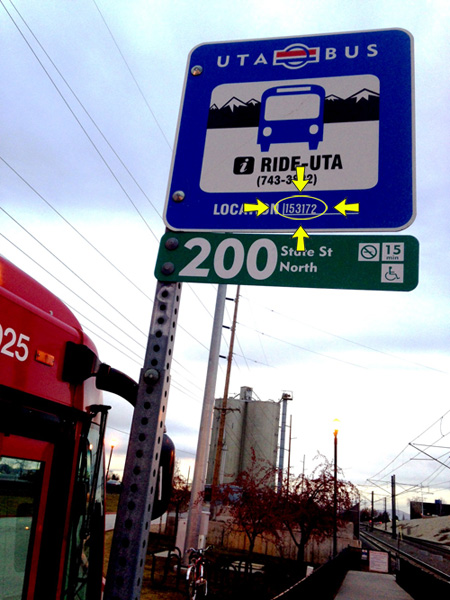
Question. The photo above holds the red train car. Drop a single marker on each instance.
(52, 425)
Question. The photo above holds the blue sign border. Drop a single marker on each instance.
(389, 206)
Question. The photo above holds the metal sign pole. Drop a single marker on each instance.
(201, 456)
(129, 545)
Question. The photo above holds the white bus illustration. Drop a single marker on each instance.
(291, 114)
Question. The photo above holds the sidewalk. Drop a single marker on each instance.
(361, 585)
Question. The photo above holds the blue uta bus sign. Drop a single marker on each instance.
(339, 107)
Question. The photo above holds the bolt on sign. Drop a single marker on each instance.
(339, 107)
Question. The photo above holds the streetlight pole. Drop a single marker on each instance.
(335, 433)
(109, 461)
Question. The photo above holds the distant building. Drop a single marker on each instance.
(421, 510)
(250, 424)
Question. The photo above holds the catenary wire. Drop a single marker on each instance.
(406, 447)
(63, 284)
(90, 244)
(132, 75)
(97, 151)
(102, 158)
(371, 348)
(68, 106)
(105, 139)
(303, 348)
(77, 276)
(87, 112)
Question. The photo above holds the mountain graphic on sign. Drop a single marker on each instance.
(363, 95)
(363, 105)
(234, 113)
(234, 104)
(332, 98)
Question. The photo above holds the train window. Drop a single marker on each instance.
(20, 490)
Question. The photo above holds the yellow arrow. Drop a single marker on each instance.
(344, 208)
(300, 234)
(300, 182)
(259, 208)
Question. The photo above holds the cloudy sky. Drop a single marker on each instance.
(89, 106)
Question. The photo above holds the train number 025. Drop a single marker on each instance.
(13, 345)
(258, 270)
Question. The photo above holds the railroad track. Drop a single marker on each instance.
(430, 551)
(436, 547)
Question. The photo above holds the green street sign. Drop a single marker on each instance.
(347, 262)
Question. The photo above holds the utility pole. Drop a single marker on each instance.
(289, 453)
(371, 514)
(385, 514)
(335, 495)
(285, 396)
(223, 409)
(303, 472)
(394, 510)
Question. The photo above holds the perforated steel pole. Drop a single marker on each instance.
(129, 544)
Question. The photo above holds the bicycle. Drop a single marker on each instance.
(197, 584)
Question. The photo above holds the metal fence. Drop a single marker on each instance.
(323, 583)
(420, 584)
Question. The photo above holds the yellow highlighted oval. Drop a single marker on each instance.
(306, 216)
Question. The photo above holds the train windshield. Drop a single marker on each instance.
(21, 490)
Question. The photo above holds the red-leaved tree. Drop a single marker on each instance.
(307, 510)
(251, 503)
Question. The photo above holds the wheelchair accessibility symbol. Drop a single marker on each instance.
(391, 273)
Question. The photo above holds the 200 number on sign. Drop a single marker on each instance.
(260, 259)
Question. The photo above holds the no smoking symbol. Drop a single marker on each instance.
(369, 252)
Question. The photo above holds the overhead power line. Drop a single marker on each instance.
(87, 112)
(90, 139)
(303, 348)
(439, 420)
(68, 288)
(75, 293)
(78, 277)
(103, 159)
(88, 242)
(132, 75)
(340, 337)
